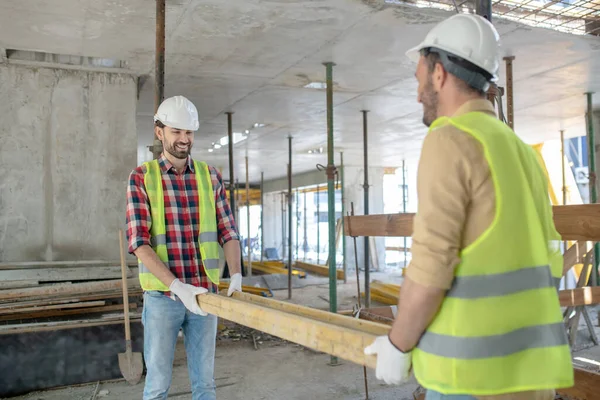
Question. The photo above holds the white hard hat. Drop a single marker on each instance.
(468, 36)
(178, 112)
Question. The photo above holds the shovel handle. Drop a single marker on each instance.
(125, 290)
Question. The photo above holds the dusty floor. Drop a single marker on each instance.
(281, 370)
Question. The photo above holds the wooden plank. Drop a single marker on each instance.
(579, 297)
(379, 225)
(52, 307)
(62, 274)
(313, 313)
(587, 386)
(340, 341)
(67, 290)
(61, 300)
(573, 222)
(60, 325)
(322, 270)
(18, 284)
(62, 264)
(575, 254)
(61, 313)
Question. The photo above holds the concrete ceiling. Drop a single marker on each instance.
(253, 57)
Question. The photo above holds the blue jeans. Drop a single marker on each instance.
(431, 395)
(162, 319)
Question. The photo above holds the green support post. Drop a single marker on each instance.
(331, 196)
(342, 188)
(592, 175)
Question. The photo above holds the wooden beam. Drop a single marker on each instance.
(60, 325)
(63, 264)
(587, 386)
(322, 270)
(62, 313)
(52, 307)
(66, 290)
(575, 254)
(579, 297)
(62, 274)
(573, 222)
(346, 342)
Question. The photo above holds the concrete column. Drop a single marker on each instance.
(354, 179)
(272, 221)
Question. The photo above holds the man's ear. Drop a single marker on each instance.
(439, 77)
(159, 132)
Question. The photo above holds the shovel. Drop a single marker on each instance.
(130, 363)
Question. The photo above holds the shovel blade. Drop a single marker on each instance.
(131, 366)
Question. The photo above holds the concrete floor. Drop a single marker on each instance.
(279, 369)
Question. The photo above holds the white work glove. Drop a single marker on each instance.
(393, 366)
(187, 295)
(235, 284)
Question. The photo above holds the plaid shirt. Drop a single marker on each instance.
(182, 219)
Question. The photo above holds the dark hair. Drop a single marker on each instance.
(159, 124)
(434, 58)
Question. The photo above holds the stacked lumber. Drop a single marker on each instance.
(259, 291)
(322, 270)
(42, 296)
(273, 267)
(385, 293)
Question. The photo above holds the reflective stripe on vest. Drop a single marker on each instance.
(207, 238)
(499, 328)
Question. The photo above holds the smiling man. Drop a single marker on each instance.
(478, 316)
(177, 216)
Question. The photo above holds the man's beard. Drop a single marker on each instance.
(429, 98)
(178, 153)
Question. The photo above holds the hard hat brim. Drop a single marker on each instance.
(415, 53)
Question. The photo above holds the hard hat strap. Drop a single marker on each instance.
(474, 79)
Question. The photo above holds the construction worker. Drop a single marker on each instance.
(478, 315)
(177, 217)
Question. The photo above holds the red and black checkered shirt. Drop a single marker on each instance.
(182, 218)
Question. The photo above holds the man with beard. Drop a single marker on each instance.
(478, 315)
(177, 216)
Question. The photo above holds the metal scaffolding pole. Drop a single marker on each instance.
(290, 199)
(564, 178)
(318, 225)
(159, 69)
(305, 247)
(248, 219)
(342, 188)
(484, 8)
(510, 114)
(230, 147)
(366, 207)
(331, 196)
(404, 197)
(592, 176)
(297, 221)
(232, 201)
(262, 215)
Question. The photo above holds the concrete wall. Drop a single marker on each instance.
(68, 142)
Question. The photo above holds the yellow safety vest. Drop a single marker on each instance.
(499, 328)
(207, 237)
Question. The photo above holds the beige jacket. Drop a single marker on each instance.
(456, 205)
